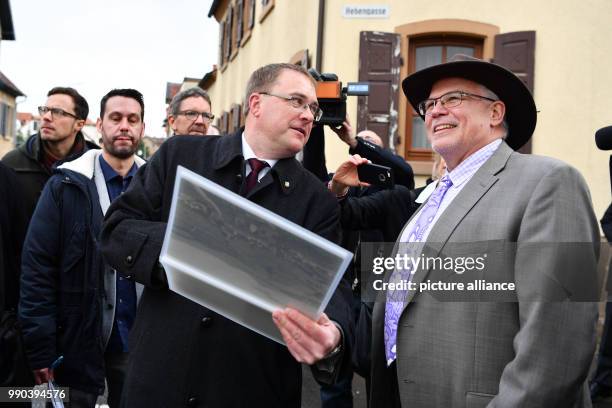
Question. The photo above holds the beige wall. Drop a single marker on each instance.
(573, 81)
(6, 145)
(187, 84)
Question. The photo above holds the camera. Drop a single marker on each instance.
(332, 96)
(376, 175)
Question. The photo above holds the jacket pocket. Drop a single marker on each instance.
(477, 400)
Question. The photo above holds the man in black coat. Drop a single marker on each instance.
(13, 366)
(601, 384)
(183, 354)
(12, 232)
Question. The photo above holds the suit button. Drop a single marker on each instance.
(128, 277)
(192, 402)
(129, 259)
(206, 321)
(109, 306)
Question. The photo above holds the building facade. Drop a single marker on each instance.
(559, 51)
(8, 90)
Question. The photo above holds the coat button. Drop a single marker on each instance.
(192, 402)
(129, 259)
(109, 306)
(206, 321)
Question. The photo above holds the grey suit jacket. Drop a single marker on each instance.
(533, 218)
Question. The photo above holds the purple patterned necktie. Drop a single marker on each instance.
(393, 308)
(256, 167)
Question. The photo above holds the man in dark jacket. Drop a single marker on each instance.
(183, 353)
(369, 145)
(364, 144)
(59, 139)
(71, 303)
(12, 232)
(13, 368)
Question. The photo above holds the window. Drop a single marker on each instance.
(301, 58)
(235, 29)
(225, 39)
(266, 7)
(222, 44)
(248, 20)
(3, 119)
(6, 116)
(228, 33)
(239, 22)
(234, 13)
(224, 123)
(251, 19)
(235, 117)
(242, 115)
(424, 52)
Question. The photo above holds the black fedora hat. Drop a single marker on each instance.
(521, 113)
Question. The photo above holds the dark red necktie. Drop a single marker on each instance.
(256, 167)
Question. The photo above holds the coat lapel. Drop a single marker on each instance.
(484, 178)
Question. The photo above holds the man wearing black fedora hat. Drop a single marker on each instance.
(529, 221)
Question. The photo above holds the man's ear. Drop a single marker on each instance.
(79, 124)
(498, 112)
(99, 125)
(255, 104)
(171, 120)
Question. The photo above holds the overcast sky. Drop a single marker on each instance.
(95, 46)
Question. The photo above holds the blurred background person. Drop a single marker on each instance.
(189, 112)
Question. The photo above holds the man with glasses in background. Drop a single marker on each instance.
(186, 354)
(189, 112)
(59, 138)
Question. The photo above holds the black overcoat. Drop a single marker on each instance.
(183, 354)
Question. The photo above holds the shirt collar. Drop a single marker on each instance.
(466, 169)
(110, 173)
(248, 153)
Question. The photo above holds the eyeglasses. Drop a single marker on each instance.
(193, 115)
(448, 100)
(298, 103)
(55, 112)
